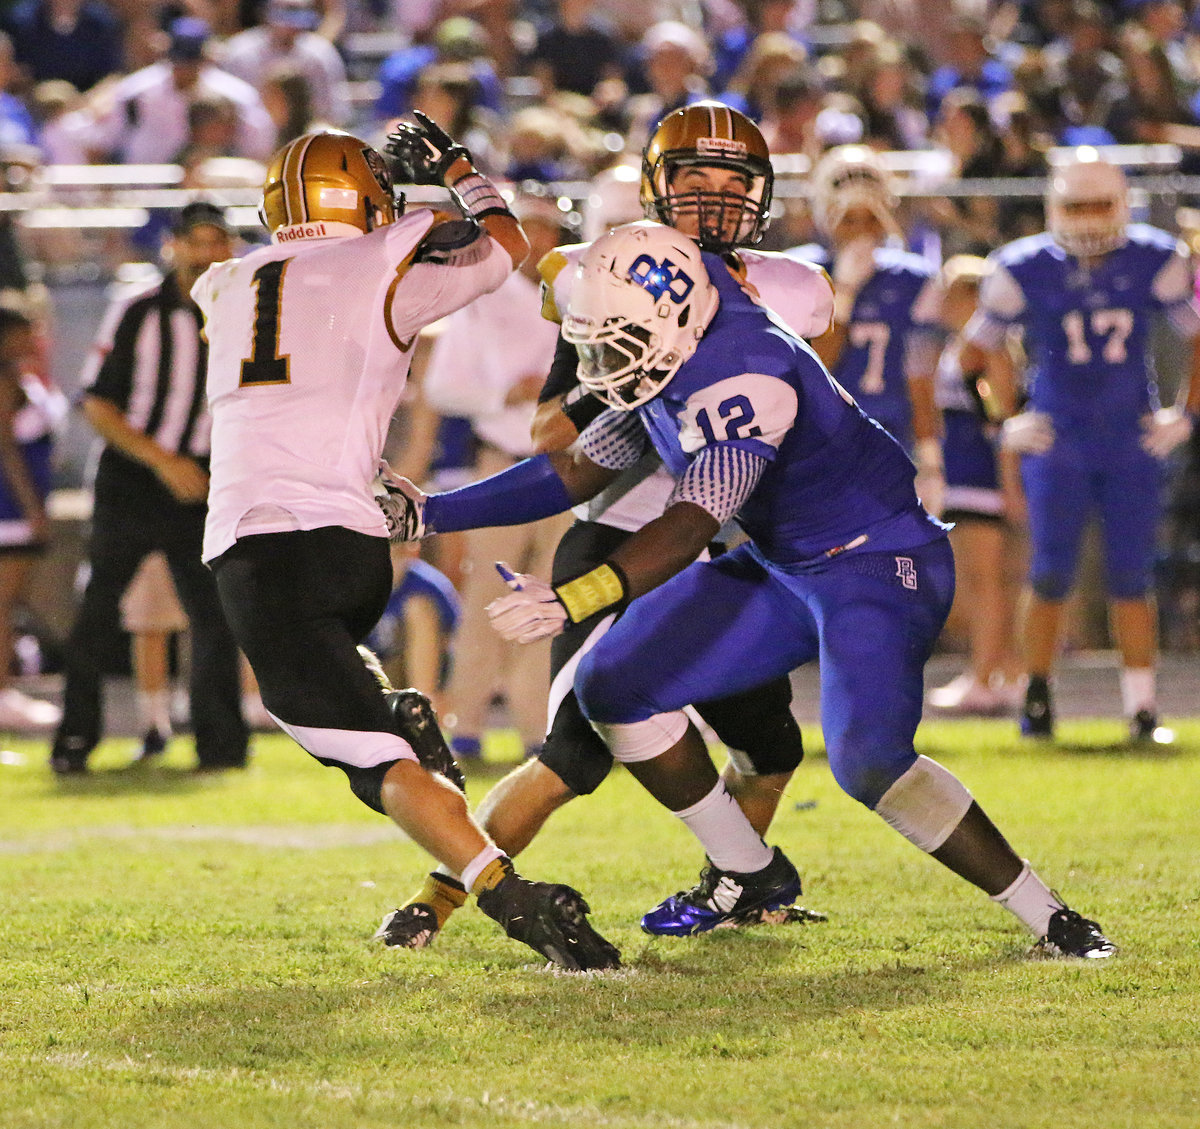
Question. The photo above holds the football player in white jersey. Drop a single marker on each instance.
(310, 341)
(706, 171)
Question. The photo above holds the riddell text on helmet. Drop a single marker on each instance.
(299, 231)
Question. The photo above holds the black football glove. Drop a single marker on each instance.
(421, 152)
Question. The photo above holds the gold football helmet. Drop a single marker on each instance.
(328, 177)
(709, 134)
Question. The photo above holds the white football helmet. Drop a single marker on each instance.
(1087, 204)
(640, 302)
(851, 176)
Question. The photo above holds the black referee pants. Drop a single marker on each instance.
(122, 535)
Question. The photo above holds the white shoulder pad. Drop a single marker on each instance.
(798, 292)
(1000, 295)
(752, 406)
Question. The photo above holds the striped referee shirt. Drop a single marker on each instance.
(149, 360)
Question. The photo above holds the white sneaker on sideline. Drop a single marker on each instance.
(967, 695)
(20, 712)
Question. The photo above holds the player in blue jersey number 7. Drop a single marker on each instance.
(843, 564)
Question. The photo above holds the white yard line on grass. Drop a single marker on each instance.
(312, 837)
(495, 1104)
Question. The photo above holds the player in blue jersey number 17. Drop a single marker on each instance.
(1093, 437)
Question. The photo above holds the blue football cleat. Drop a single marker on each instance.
(723, 896)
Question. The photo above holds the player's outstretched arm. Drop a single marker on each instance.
(422, 152)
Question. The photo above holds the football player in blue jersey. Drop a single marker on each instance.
(842, 563)
(1093, 437)
(884, 343)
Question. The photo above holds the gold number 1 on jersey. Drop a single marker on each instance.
(265, 365)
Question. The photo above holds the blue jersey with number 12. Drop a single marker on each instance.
(834, 477)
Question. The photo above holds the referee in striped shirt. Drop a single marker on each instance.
(144, 395)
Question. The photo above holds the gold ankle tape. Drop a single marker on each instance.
(491, 876)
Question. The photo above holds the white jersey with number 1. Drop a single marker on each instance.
(309, 349)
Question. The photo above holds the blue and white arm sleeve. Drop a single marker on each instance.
(719, 480)
(614, 440)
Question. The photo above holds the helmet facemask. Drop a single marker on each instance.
(709, 135)
(733, 216)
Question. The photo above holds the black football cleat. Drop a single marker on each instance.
(1037, 712)
(725, 897)
(154, 744)
(413, 926)
(1070, 934)
(1145, 730)
(552, 920)
(784, 915)
(417, 722)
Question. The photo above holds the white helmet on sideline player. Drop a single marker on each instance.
(852, 176)
(1087, 204)
(640, 303)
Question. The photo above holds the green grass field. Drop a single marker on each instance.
(185, 951)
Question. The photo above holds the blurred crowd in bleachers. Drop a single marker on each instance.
(558, 89)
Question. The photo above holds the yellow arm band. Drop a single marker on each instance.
(592, 592)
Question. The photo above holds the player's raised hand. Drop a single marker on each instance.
(421, 151)
(531, 611)
(1165, 430)
(1027, 433)
(402, 503)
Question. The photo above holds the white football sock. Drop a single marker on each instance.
(154, 708)
(1139, 690)
(1030, 899)
(725, 832)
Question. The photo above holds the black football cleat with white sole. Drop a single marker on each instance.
(413, 926)
(552, 920)
(724, 898)
(1070, 934)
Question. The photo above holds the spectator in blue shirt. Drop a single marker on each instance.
(456, 40)
(971, 64)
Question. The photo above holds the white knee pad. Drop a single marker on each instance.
(643, 740)
(925, 804)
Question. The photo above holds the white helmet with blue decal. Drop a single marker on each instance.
(640, 303)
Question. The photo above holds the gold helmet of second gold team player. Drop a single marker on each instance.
(327, 183)
(709, 135)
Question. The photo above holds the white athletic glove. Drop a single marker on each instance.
(402, 503)
(531, 611)
(1165, 430)
(854, 265)
(1027, 433)
(931, 476)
